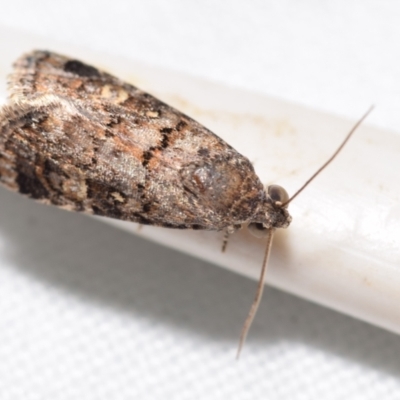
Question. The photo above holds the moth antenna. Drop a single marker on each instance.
(359, 122)
(257, 298)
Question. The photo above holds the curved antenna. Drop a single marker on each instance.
(257, 298)
(360, 121)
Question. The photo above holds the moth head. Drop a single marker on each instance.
(275, 212)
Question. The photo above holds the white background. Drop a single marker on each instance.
(91, 312)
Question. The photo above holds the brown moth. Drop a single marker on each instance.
(81, 139)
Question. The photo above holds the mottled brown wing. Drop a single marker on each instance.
(81, 139)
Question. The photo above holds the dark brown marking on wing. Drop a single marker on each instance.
(31, 185)
(147, 207)
(105, 200)
(147, 156)
(81, 69)
(114, 120)
(166, 130)
(164, 141)
(53, 174)
(203, 152)
(181, 124)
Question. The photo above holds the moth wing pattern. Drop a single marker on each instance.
(83, 140)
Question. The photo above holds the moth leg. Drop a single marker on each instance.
(225, 240)
(229, 230)
(139, 228)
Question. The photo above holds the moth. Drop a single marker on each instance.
(83, 140)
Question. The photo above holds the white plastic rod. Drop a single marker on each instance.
(343, 247)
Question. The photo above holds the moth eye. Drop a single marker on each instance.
(258, 230)
(277, 194)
